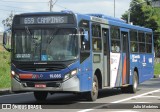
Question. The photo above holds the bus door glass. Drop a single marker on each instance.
(106, 59)
(125, 58)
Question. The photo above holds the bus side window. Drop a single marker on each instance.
(96, 38)
(148, 42)
(115, 39)
(115, 46)
(85, 42)
(141, 40)
(133, 41)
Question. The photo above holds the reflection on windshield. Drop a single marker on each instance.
(45, 45)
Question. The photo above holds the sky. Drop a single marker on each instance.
(81, 6)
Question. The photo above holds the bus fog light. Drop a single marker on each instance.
(66, 77)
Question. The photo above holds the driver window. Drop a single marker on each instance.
(85, 42)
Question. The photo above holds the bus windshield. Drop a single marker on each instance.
(57, 44)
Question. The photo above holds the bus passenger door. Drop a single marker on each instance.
(125, 57)
(106, 58)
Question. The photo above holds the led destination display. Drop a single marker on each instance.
(44, 20)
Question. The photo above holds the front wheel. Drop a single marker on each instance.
(93, 95)
(40, 96)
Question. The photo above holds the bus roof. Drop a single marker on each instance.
(108, 19)
(119, 22)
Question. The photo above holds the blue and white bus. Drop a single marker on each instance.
(79, 53)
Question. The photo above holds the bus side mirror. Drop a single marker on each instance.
(7, 40)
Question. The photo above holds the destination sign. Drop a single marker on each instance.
(44, 20)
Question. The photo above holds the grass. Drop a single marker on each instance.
(157, 69)
(5, 81)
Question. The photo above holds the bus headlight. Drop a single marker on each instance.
(70, 74)
(13, 73)
(16, 76)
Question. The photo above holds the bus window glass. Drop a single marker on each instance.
(96, 30)
(96, 41)
(148, 38)
(84, 24)
(46, 45)
(149, 43)
(141, 37)
(142, 47)
(133, 41)
(115, 39)
(141, 40)
(115, 46)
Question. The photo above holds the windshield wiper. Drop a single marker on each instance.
(27, 30)
(53, 35)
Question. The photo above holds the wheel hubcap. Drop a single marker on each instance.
(135, 83)
(94, 88)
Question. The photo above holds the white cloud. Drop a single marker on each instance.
(95, 6)
(82, 6)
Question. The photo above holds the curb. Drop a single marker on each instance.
(5, 91)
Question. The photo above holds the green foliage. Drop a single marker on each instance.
(4, 68)
(8, 21)
(156, 69)
(143, 14)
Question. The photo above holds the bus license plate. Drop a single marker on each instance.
(40, 85)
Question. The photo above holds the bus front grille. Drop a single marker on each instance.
(41, 67)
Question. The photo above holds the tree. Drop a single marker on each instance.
(143, 14)
(8, 21)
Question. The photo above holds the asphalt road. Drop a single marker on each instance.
(146, 99)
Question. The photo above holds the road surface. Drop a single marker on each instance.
(146, 99)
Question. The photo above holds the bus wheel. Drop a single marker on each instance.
(40, 96)
(92, 95)
(133, 88)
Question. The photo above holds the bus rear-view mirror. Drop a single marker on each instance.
(7, 40)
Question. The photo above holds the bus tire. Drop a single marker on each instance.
(133, 88)
(40, 96)
(93, 95)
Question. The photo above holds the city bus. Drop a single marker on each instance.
(54, 52)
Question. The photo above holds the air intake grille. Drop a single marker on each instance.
(40, 67)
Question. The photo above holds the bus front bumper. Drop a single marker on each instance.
(71, 85)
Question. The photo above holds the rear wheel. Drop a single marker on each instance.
(40, 96)
(133, 88)
(92, 95)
